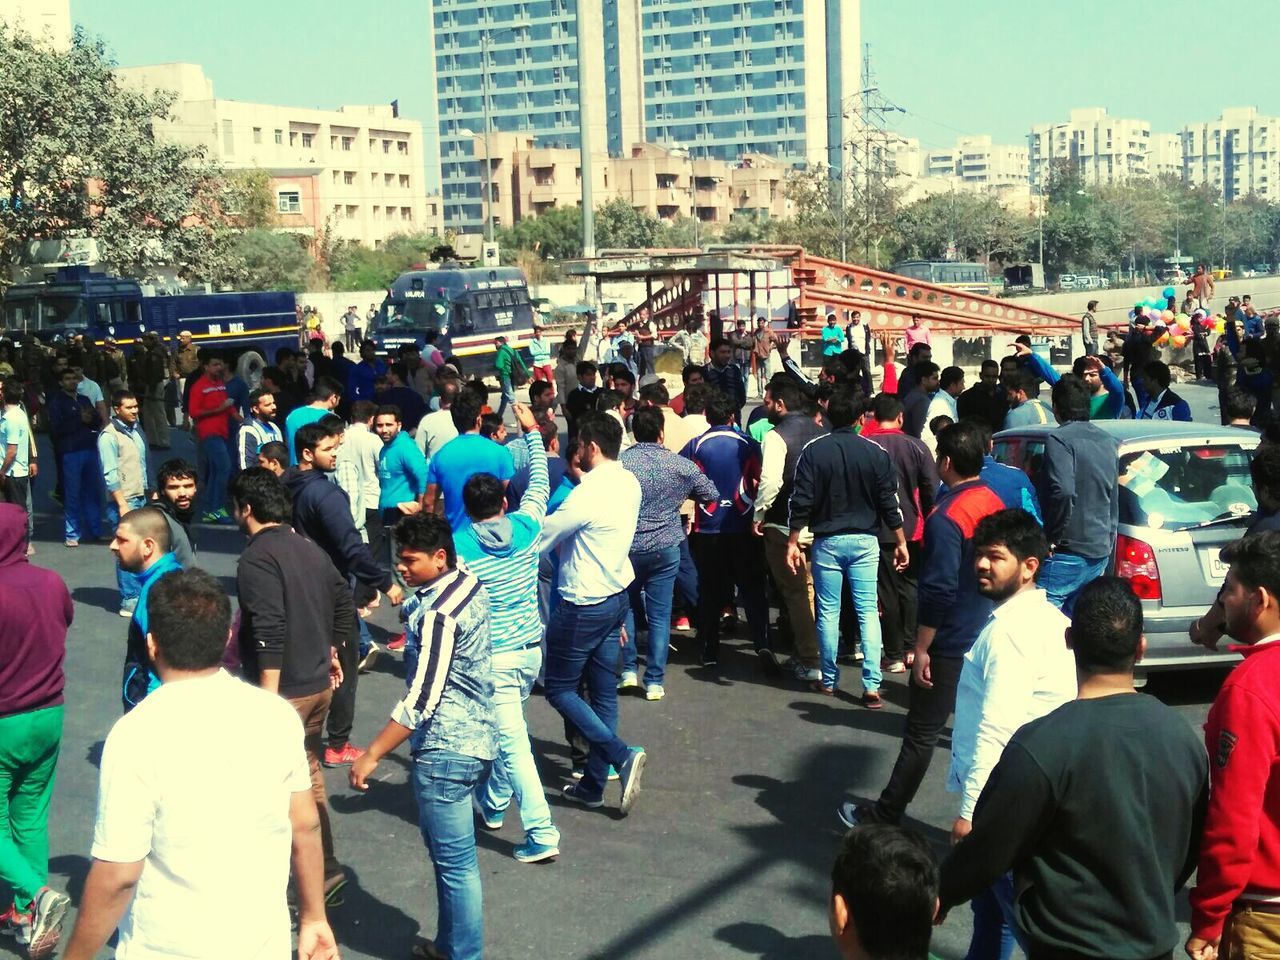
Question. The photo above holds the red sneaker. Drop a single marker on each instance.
(680, 623)
(397, 643)
(348, 755)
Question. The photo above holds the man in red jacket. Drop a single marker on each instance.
(35, 612)
(1235, 907)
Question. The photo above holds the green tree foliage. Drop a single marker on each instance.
(553, 235)
(83, 155)
(272, 261)
(620, 225)
(356, 267)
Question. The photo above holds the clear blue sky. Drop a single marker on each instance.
(957, 66)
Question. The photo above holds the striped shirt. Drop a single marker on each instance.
(502, 553)
(346, 474)
(254, 434)
(449, 703)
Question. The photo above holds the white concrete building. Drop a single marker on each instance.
(978, 160)
(1166, 155)
(1105, 149)
(1241, 143)
(358, 170)
(50, 19)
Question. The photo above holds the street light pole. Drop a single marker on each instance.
(584, 138)
(485, 40)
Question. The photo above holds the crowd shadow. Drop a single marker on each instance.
(94, 754)
(367, 925)
(763, 941)
(75, 868)
(104, 598)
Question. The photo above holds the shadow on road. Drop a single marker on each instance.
(764, 942)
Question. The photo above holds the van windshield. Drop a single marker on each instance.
(413, 314)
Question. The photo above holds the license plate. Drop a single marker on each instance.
(1214, 567)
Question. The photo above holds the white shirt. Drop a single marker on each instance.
(90, 391)
(214, 833)
(434, 431)
(598, 519)
(15, 430)
(365, 448)
(941, 404)
(1018, 670)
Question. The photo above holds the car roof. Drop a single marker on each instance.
(1146, 431)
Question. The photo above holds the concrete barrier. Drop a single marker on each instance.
(1114, 305)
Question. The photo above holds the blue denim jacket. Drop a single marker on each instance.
(449, 703)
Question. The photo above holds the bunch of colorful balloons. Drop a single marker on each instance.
(1177, 326)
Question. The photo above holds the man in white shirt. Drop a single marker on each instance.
(594, 527)
(1018, 670)
(362, 447)
(943, 404)
(17, 449)
(437, 428)
(180, 845)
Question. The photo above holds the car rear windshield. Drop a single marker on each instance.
(1176, 488)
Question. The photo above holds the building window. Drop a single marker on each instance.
(289, 201)
(279, 137)
(352, 211)
(402, 146)
(308, 139)
(386, 146)
(333, 143)
(349, 177)
(404, 181)
(406, 213)
(293, 138)
(387, 179)
(257, 134)
(348, 142)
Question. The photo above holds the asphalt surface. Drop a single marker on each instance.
(726, 854)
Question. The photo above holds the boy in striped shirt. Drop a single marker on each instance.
(500, 550)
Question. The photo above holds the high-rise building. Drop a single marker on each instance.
(1166, 155)
(1238, 154)
(978, 160)
(50, 19)
(1103, 149)
(356, 170)
(719, 78)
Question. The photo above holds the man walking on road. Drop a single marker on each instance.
(35, 614)
(596, 525)
(510, 368)
(1089, 329)
(845, 490)
(122, 450)
(257, 430)
(143, 547)
(73, 428)
(191, 858)
(211, 412)
(294, 611)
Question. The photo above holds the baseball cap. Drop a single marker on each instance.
(649, 378)
(183, 333)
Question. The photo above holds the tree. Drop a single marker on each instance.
(249, 199)
(273, 261)
(553, 235)
(83, 155)
(620, 225)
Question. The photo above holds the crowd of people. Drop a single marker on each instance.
(877, 524)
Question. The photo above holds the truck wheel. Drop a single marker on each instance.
(249, 368)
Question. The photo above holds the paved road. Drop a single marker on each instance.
(726, 855)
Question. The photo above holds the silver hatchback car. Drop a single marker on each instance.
(1185, 493)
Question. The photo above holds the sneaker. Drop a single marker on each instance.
(769, 661)
(127, 608)
(333, 886)
(224, 518)
(47, 911)
(533, 852)
(17, 925)
(681, 623)
(896, 667)
(71, 543)
(654, 691)
(579, 772)
(573, 793)
(397, 644)
(805, 674)
(349, 754)
(628, 680)
(630, 776)
(368, 659)
(490, 821)
(819, 687)
(856, 814)
(871, 700)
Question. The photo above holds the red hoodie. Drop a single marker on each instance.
(1240, 850)
(35, 612)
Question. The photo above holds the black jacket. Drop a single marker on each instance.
(321, 512)
(1080, 490)
(293, 607)
(844, 484)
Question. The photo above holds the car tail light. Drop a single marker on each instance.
(1136, 562)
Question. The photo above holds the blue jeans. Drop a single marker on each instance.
(443, 782)
(508, 394)
(653, 587)
(583, 641)
(81, 494)
(687, 577)
(129, 583)
(215, 471)
(994, 930)
(1064, 575)
(514, 772)
(854, 557)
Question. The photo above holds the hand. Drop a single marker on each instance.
(1021, 350)
(362, 770)
(920, 673)
(524, 417)
(1200, 949)
(622, 636)
(335, 669)
(395, 595)
(795, 559)
(316, 941)
(33, 470)
(409, 507)
(960, 829)
(901, 557)
(757, 527)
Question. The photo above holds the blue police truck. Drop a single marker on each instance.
(467, 307)
(75, 300)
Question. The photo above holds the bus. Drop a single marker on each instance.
(77, 300)
(466, 307)
(969, 277)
